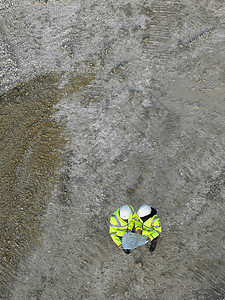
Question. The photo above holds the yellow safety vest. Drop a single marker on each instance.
(118, 226)
(151, 227)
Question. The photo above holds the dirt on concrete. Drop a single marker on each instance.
(29, 155)
(105, 104)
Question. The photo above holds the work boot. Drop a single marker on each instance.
(153, 245)
(126, 251)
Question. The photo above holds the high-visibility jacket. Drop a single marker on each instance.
(151, 227)
(118, 226)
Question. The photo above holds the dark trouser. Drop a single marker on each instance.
(153, 244)
(155, 240)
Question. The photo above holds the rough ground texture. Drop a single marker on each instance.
(138, 90)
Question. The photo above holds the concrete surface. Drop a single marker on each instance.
(133, 113)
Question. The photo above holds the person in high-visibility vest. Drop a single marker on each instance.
(121, 221)
(148, 223)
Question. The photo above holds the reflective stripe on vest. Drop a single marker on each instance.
(148, 228)
(153, 220)
(112, 233)
(113, 225)
(131, 209)
(121, 229)
(144, 229)
(117, 220)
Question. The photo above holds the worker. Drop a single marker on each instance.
(148, 223)
(121, 221)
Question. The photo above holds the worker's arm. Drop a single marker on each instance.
(138, 224)
(156, 229)
(131, 224)
(112, 232)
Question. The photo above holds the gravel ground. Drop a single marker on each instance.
(108, 103)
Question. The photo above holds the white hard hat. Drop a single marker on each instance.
(144, 210)
(125, 212)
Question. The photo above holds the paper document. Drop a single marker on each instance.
(132, 240)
